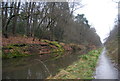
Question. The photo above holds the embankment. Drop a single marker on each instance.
(81, 69)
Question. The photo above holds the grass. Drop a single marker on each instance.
(14, 54)
(81, 69)
(17, 50)
(112, 50)
(14, 51)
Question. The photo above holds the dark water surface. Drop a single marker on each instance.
(32, 68)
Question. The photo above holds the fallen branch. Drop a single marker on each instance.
(44, 66)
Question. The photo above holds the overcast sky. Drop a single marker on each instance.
(101, 14)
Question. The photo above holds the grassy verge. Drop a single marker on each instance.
(81, 69)
(112, 50)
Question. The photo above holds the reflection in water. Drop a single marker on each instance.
(105, 69)
(33, 68)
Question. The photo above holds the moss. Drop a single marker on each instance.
(55, 43)
(8, 47)
(58, 50)
(11, 46)
(45, 41)
(13, 54)
(15, 50)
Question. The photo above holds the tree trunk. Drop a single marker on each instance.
(5, 21)
(16, 11)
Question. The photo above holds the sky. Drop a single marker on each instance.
(101, 15)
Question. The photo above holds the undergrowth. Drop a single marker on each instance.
(14, 51)
(55, 43)
(81, 69)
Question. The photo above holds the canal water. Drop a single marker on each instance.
(105, 68)
(33, 68)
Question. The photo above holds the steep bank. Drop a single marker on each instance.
(112, 44)
(14, 47)
(112, 47)
(21, 46)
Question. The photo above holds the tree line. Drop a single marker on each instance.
(47, 20)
